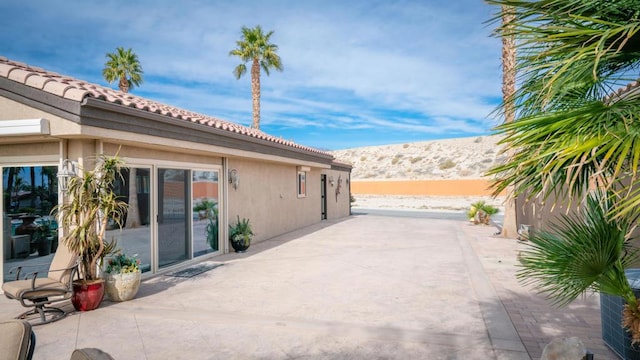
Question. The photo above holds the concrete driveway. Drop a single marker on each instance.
(367, 287)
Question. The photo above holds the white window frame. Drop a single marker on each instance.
(301, 182)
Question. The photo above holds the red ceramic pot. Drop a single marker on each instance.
(87, 295)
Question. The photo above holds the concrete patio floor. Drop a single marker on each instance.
(366, 287)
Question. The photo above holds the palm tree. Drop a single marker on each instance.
(509, 225)
(254, 46)
(123, 66)
(572, 134)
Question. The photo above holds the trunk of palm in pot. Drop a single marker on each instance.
(89, 204)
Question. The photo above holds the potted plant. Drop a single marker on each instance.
(122, 277)
(89, 205)
(42, 238)
(240, 235)
(481, 212)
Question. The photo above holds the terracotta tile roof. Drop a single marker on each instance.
(623, 91)
(76, 90)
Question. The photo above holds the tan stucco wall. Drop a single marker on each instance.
(338, 200)
(267, 195)
(34, 153)
(11, 110)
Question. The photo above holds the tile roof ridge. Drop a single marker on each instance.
(622, 91)
(77, 90)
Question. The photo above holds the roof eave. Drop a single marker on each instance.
(102, 114)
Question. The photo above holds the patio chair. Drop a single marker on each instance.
(37, 293)
(17, 341)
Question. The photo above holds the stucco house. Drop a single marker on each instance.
(177, 161)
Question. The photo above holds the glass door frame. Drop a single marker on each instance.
(191, 167)
(29, 162)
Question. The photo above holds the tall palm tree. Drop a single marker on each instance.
(572, 134)
(254, 46)
(123, 66)
(509, 225)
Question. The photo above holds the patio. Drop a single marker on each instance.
(362, 288)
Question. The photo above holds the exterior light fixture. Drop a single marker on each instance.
(234, 178)
(65, 173)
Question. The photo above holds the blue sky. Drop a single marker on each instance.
(356, 73)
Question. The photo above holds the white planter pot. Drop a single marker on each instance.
(122, 287)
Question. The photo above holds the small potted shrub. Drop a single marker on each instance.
(481, 212)
(240, 235)
(122, 277)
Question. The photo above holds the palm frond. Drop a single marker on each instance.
(577, 254)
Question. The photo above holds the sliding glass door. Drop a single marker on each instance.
(173, 216)
(30, 232)
(133, 187)
(205, 203)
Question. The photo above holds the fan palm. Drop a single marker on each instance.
(571, 134)
(254, 46)
(568, 133)
(578, 254)
(123, 66)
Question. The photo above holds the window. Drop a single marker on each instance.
(302, 184)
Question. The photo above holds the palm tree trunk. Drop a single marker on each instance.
(124, 84)
(509, 226)
(133, 214)
(255, 92)
(9, 202)
(32, 195)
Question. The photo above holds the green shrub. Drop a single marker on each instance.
(481, 212)
(447, 164)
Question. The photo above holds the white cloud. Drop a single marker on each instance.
(412, 66)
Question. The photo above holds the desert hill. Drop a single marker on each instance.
(460, 158)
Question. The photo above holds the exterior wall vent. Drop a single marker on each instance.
(24, 127)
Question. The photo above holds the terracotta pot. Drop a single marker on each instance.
(122, 287)
(87, 295)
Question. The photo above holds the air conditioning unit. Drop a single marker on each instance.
(613, 334)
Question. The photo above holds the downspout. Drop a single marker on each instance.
(224, 204)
